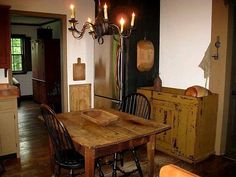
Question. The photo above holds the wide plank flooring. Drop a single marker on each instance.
(34, 150)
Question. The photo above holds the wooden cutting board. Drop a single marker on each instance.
(80, 97)
(145, 55)
(78, 70)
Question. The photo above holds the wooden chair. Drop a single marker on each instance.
(136, 104)
(175, 171)
(64, 153)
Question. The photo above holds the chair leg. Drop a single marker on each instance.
(71, 174)
(114, 165)
(137, 162)
(101, 174)
(57, 170)
(121, 154)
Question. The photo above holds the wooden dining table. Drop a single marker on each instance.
(100, 132)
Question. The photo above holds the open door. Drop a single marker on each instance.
(231, 130)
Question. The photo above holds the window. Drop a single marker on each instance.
(20, 54)
(17, 53)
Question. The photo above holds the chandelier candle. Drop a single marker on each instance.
(122, 22)
(132, 19)
(90, 21)
(105, 12)
(72, 7)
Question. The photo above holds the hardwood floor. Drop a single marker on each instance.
(34, 150)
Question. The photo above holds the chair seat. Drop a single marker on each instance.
(69, 159)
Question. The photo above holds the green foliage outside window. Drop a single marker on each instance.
(17, 54)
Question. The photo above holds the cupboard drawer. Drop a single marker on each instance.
(8, 104)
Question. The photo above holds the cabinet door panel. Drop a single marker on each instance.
(164, 112)
(186, 130)
(34, 54)
(41, 60)
(7, 133)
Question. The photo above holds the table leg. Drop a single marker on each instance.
(151, 154)
(89, 162)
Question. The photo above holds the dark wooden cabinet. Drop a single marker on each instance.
(46, 72)
(4, 37)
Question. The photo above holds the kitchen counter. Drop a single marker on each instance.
(8, 91)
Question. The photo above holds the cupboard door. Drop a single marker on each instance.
(185, 131)
(41, 60)
(34, 54)
(164, 112)
(38, 60)
(4, 37)
(8, 142)
(39, 91)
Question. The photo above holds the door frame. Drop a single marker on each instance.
(63, 50)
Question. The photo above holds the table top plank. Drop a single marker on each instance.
(92, 135)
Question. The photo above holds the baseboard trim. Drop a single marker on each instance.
(26, 97)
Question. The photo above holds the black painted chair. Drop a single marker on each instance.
(2, 169)
(136, 104)
(64, 153)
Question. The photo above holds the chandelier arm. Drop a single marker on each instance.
(115, 28)
(100, 40)
(127, 33)
(78, 34)
(75, 35)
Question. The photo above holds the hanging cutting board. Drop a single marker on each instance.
(80, 97)
(78, 70)
(145, 55)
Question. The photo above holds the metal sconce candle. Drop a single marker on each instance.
(217, 45)
(101, 26)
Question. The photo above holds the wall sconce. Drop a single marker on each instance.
(217, 45)
(101, 26)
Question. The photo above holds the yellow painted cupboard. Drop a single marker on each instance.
(192, 120)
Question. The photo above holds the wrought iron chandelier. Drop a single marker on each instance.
(101, 26)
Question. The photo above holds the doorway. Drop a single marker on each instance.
(231, 134)
(28, 23)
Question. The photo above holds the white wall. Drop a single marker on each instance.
(83, 48)
(3, 79)
(185, 34)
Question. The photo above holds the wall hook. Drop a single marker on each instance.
(217, 45)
